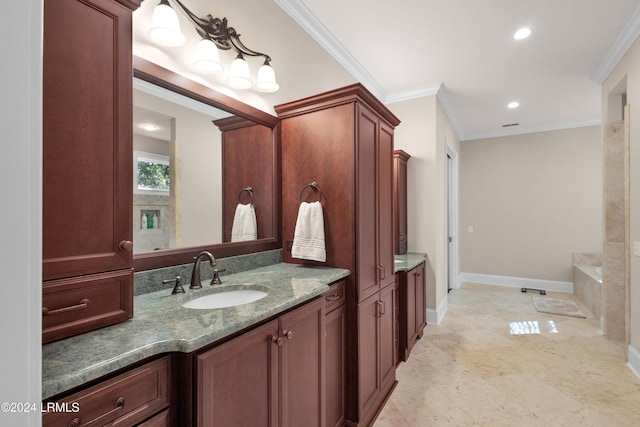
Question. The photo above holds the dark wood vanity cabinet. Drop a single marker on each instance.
(272, 375)
(412, 286)
(140, 396)
(87, 164)
(400, 159)
(343, 141)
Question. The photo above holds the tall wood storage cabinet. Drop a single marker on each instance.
(400, 159)
(87, 165)
(343, 141)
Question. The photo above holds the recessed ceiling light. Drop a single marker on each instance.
(522, 33)
(513, 105)
(149, 126)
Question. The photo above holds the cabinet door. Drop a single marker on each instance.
(237, 382)
(421, 303)
(411, 304)
(302, 366)
(335, 362)
(368, 268)
(384, 225)
(87, 137)
(387, 336)
(368, 354)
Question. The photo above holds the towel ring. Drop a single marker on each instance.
(315, 187)
(248, 190)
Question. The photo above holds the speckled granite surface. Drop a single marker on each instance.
(160, 324)
(406, 262)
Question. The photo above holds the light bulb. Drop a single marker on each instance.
(207, 58)
(239, 75)
(267, 79)
(165, 27)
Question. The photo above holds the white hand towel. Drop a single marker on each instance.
(244, 224)
(308, 238)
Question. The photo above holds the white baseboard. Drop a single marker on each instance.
(517, 282)
(633, 360)
(434, 317)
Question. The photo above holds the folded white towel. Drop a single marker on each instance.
(244, 224)
(308, 238)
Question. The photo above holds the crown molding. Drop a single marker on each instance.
(532, 129)
(312, 25)
(619, 48)
(445, 101)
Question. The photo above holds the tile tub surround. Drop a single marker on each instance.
(587, 287)
(408, 261)
(161, 325)
(587, 283)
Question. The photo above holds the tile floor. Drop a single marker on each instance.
(472, 371)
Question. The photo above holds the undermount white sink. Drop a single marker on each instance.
(225, 299)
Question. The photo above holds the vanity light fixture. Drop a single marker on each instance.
(216, 35)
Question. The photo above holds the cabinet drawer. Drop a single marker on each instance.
(81, 304)
(160, 420)
(334, 297)
(124, 400)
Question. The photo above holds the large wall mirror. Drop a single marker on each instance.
(209, 156)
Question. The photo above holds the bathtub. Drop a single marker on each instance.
(587, 287)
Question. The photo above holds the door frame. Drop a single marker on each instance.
(451, 207)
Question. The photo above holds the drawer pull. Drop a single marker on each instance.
(332, 297)
(119, 404)
(83, 304)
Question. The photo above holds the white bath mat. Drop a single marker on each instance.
(557, 306)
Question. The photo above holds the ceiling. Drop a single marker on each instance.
(463, 51)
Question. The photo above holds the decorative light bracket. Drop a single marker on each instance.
(218, 31)
(216, 35)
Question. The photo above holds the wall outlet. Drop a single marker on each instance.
(470, 229)
(636, 248)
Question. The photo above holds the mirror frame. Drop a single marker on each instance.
(167, 79)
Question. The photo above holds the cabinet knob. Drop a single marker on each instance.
(288, 334)
(276, 340)
(126, 245)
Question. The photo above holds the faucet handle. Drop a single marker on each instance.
(178, 289)
(216, 277)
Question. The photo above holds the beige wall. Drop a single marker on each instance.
(532, 201)
(424, 129)
(629, 68)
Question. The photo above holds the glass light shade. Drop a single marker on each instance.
(165, 27)
(267, 79)
(207, 59)
(239, 75)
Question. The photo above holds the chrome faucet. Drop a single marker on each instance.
(195, 275)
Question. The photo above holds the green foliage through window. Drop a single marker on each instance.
(153, 176)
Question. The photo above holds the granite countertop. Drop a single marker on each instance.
(408, 261)
(160, 324)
